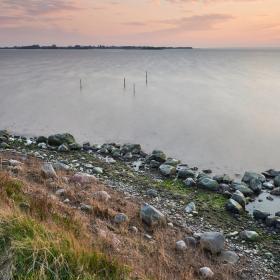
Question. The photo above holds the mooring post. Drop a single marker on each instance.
(124, 83)
(134, 90)
(146, 78)
(81, 84)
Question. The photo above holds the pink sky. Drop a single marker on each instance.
(197, 23)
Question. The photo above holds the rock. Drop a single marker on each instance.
(42, 146)
(4, 145)
(277, 214)
(86, 208)
(158, 156)
(63, 148)
(190, 182)
(130, 148)
(186, 173)
(61, 166)
(190, 207)
(172, 161)
(75, 147)
(154, 164)
(212, 241)
(239, 197)
(259, 215)
(151, 216)
(60, 192)
(181, 245)
(13, 162)
(224, 188)
(97, 170)
(134, 229)
(242, 187)
(277, 181)
(225, 179)
(207, 171)
(234, 207)
(48, 171)
(256, 185)
(271, 173)
(249, 235)
(229, 257)
(83, 178)
(275, 191)
(59, 139)
(167, 170)
(208, 184)
(271, 221)
(4, 136)
(120, 218)
(101, 196)
(42, 139)
(268, 185)
(190, 241)
(206, 273)
(248, 176)
(152, 193)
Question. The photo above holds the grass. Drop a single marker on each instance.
(39, 253)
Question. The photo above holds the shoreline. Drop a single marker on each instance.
(132, 171)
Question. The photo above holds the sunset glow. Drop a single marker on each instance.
(197, 23)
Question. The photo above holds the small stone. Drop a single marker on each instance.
(208, 184)
(101, 196)
(167, 170)
(249, 235)
(63, 148)
(86, 208)
(48, 171)
(134, 229)
(206, 273)
(190, 207)
(190, 241)
(229, 257)
(152, 193)
(212, 241)
(260, 215)
(60, 192)
(120, 218)
(97, 170)
(234, 207)
(189, 182)
(181, 245)
(151, 216)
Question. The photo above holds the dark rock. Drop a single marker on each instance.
(239, 197)
(59, 139)
(248, 176)
(42, 139)
(212, 241)
(186, 173)
(154, 164)
(256, 185)
(234, 207)
(260, 215)
(189, 182)
(167, 170)
(158, 156)
(242, 187)
(151, 216)
(275, 191)
(208, 184)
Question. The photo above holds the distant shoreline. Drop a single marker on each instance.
(79, 47)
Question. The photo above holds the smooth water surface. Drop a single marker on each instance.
(216, 109)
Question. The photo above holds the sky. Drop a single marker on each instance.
(197, 23)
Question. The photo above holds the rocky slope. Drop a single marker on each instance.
(162, 219)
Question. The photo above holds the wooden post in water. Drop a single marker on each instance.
(81, 84)
(146, 78)
(124, 83)
(134, 90)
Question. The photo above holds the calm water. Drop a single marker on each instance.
(218, 109)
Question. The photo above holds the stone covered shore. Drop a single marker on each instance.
(188, 197)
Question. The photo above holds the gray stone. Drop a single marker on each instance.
(206, 273)
(208, 184)
(229, 257)
(234, 207)
(186, 173)
(268, 185)
(223, 179)
(249, 235)
(189, 182)
(131, 148)
(60, 192)
(86, 208)
(63, 148)
(277, 214)
(242, 187)
(151, 216)
(256, 185)
(120, 218)
(248, 176)
(152, 193)
(239, 197)
(190, 207)
(260, 215)
(275, 191)
(212, 241)
(97, 170)
(172, 161)
(48, 171)
(190, 241)
(277, 181)
(83, 178)
(101, 196)
(167, 170)
(271, 221)
(158, 156)
(154, 164)
(181, 245)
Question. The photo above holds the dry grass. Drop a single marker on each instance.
(96, 231)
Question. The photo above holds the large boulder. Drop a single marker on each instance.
(167, 170)
(59, 139)
(212, 241)
(234, 207)
(242, 187)
(208, 184)
(248, 176)
(151, 216)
